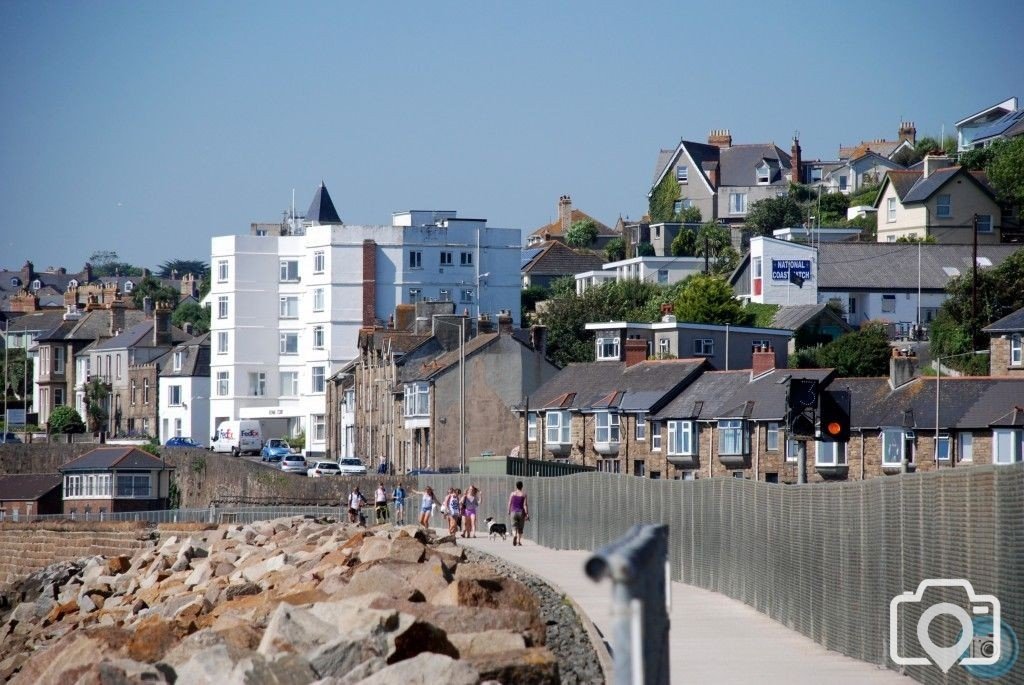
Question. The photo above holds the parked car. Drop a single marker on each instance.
(294, 463)
(275, 449)
(352, 467)
(421, 472)
(10, 438)
(182, 442)
(323, 468)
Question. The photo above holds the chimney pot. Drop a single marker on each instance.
(763, 361)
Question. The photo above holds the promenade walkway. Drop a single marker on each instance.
(714, 639)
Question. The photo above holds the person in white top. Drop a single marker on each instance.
(380, 503)
(355, 503)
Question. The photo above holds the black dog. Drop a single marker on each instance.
(494, 528)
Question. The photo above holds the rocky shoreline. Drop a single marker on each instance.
(291, 602)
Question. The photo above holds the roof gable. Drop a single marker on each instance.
(1011, 323)
(701, 157)
(644, 386)
(924, 188)
(115, 458)
(558, 259)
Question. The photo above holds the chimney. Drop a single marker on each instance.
(539, 339)
(187, 328)
(713, 175)
(908, 132)
(565, 213)
(405, 317)
(720, 137)
(28, 274)
(797, 171)
(505, 322)
(763, 361)
(147, 307)
(162, 325)
(369, 282)
(902, 368)
(636, 351)
(484, 324)
(87, 273)
(116, 309)
(933, 163)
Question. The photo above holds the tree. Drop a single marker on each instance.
(645, 249)
(18, 381)
(662, 205)
(196, 267)
(684, 244)
(706, 298)
(582, 233)
(96, 394)
(765, 216)
(862, 353)
(155, 290)
(915, 239)
(528, 300)
(1006, 170)
(107, 263)
(192, 313)
(832, 209)
(690, 215)
(715, 243)
(65, 419)
(615, 250)
(866, 195)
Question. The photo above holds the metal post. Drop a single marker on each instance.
(638, 565)
(462, 388)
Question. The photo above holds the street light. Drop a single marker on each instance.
(462, 386)
(938, 377)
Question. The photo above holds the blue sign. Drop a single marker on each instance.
(783, 269)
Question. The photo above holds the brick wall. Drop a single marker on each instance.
(999, 359)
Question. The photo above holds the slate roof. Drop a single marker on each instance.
(28, 486)
(321, 209)
(554, 258)
(140, 335)
(924, 188)
(733, 394)
(121, 458)
(902, 181)
(893, 266)
(432, 366)
(35, 321)
(737, 164)
(640, 387)
(196, 361)
(554, 229)
(1011, 323)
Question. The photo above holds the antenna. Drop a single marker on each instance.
(293, 203)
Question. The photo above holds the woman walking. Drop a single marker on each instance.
(380, 503)
(428, 502)
(399, 496)
(519, 510)
(454, 512)
(470, 503)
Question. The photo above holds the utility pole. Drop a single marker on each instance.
(707, 257)
(974, 281)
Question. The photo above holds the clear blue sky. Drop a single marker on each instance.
(146, 128)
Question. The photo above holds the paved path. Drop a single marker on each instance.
(714, 639)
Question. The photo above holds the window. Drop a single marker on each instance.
(15, 282)
(655, 436)
(446, 258)
(466, 259)
(289, 383)
(58, 397)
(133, 485)
(732, 437)
(318, 262)
(177, 428)
(888, 303)
(677, 206)
(415, 259)
(117, 360)
(222, 270)
(531, 427)
(984, 223)
(815, 174)
(289, 343)
(222, 342)
(662, 276)
(133, 394)
(682, 174)
(557, 427)
(890, 210)
(318, 299)
(830, 454)
(764, 174)
(145, 391)
(943, 451)
(174, 395)
(965, 446)
(737, 203)
(290, 307)
(640, 427)
(318, 337)
(851, 305)
(222, 383)
(128, 286)
(771, 440)
(257, 383)
(319, 427)
(943, 207)
(664, 346)
(704, 347)
(608, 348)
(796, 449)
(417, 399)
(755, 276)
(72, 284)
(444, 295)
(222, 306)
(1015, 350)
(318, 379)
(606, 431)
(466, 295)
(1007, 445)
(58, 360)
(894, 445)
(289, 270)
(415, 295)
(681, 437)
(842, 183)
(177, 359)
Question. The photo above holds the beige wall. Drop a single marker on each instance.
(999, 359)
(920, 219)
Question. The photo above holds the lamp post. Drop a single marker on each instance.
(462, 387)
(938, 377)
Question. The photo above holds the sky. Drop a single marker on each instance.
(148, 128)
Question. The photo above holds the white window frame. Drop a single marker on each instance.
(416, 402)
(892, 438)
(177, 427)
(289, 271)
(733, 436)
(655, 436)
(222, 342)
(608, 349)
(1007, 445)
(764, 174)
(829, 453)
(794, 448)
(557, 427)
(965, 446)
(257, 383)
(945, 445)
(289, 307)
(223, 383)
(640, 427)
(222, 306)
(1016, 353)
(677, 206)
(531, 426)
(289, 383)
(890, 210)
(682, 438)
(318, 299)
(318, 261)
(682, 174)
(319, 428)
(173, 395)
(415, 295)
(318, 378)
(288, 343)
(444, 295)
(943, 206)
(176, 360)
(222, 270)
(318, 337)
(737, 203)
(771, 437)
(664, 346)
(606, 428)
(704, 347)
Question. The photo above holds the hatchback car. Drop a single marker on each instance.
(294, 463)
(182, 442)
(352, 467)
(323, 468)
(275, 449)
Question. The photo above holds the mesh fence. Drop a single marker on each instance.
(822, 559)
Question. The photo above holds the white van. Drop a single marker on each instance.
(238, 437)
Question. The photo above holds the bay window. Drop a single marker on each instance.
(732, 437)
(606, 429)
(558, 425)
(830, 453)
(681, 437)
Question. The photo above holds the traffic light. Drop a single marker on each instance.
(835, 415)
(802, 402)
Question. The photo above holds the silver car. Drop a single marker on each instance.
(293, 463)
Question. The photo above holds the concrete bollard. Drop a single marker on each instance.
(638, 565)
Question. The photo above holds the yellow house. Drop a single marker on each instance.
(940, 201)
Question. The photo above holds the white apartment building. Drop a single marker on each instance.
(659, 270)
(286, 309)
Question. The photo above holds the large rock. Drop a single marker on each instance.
(426, 669)
(486, 642)
(504, 593)
(532, 666)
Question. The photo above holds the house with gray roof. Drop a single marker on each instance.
(29, 494)
(1006, 352)
(545, 262)
(115, 479)
(851, 175)
(183, 390)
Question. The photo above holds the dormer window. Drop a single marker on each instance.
(129, 286)
(682, 174)
(179, 356)
(764, 174)
(37, 284)
(15, 282)
(608, 349)
(72, 284)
